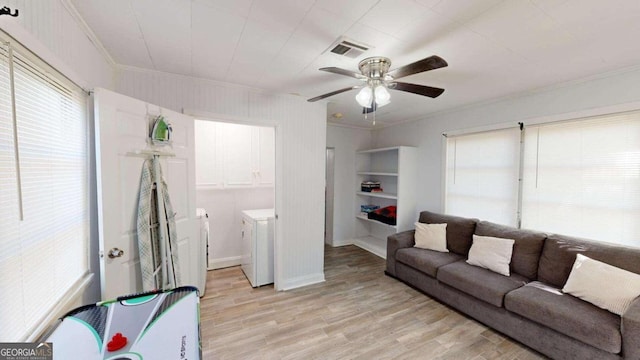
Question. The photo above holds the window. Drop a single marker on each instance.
(482, 175)
(44, 211)
(579, 177)
(582, 178)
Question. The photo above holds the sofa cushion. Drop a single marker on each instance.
(559, 254)
(459, 230)
(603, 285)
(526, 250)
(491, 253)
(478, 282)
(427, 261)
(431, 236)
(567, 315)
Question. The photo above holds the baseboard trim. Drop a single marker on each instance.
(224, 262)
(371, 248)
(342, 243)
(301, 281)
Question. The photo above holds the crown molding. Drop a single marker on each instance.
(87, 31)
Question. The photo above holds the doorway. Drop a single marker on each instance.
(235, 172)
(328, 196)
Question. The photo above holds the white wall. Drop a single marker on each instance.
(607, 93)
(300, 156)
(346, 141)
(224, 207)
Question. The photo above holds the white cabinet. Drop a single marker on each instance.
(208, 156)
(232, 155)
(264, 156)
(396, 170)
(237, 143)
(257, 246)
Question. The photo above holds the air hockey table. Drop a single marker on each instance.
(154, 325)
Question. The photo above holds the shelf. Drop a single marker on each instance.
(382, 195)
(377, 173)
(365, 218)
(396, 148)
(397, 171)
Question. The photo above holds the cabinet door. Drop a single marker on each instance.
(266, 157)
(238, 169)
(208, 169)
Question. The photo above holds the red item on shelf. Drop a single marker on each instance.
(385, 215)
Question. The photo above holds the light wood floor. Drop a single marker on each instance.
(358, 313)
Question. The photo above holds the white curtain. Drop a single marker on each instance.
(44, 204)
(582, 178)
(482, 171)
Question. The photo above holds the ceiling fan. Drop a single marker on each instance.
(374, 71)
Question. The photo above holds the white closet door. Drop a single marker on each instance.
(208, 165)
(266, 156)
(238, 169)
(122, 127)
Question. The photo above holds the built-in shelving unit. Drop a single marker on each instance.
(396, 170)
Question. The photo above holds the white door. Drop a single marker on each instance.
(122, 128)
(237, 154)
(209, 169)
(266, 156)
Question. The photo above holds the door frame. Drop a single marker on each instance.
(279, 134)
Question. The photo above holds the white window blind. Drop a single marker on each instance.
(482, 172)
(582, 178)
(44, 254)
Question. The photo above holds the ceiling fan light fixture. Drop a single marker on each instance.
(365, 97)
(382, 95)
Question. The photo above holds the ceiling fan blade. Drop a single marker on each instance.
(426, 64)
(344, 72)
(333, 93)
(432, 92)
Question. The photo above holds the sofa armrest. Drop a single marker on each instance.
(630, 329)
(395, 242)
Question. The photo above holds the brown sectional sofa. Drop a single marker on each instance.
(522, 306)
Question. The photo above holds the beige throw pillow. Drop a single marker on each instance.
(491, 253)
(603, 285)
(431, 236)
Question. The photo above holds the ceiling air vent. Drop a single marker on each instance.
(348, 48)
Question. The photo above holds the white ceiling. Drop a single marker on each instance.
(494, 47)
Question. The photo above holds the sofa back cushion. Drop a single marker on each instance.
(559, 254)
(459, 230)
(526, 249)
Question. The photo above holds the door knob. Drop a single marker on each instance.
(115, 252)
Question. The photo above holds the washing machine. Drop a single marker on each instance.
(257, 246)
(203, 255)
